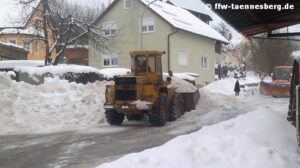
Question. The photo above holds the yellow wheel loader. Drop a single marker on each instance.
(143, 92)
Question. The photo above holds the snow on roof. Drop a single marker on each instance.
(28, 31)
(57, 70)
(183, 19)
(198, 6)
(111, 72)
(24, 63)
(13, 45)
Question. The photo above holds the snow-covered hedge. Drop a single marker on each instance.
(72, 73)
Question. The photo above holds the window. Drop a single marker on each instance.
(127, 4)
(148, 25)
(151, 64)
(38, 24)
(204, 62)
(36, 46)
(110, 60)
(109, 29)
(12, 41)
(27, 44)
(182, 58)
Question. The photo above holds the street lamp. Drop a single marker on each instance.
(142, 16)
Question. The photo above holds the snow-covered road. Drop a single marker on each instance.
(93, 146)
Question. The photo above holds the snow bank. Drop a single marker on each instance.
(56, 70)
(251, 78)
(55, 105)
(111, 72)
(224, 86)
(261, 138)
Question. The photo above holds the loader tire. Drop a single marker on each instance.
(135, 117)
(175, 107)
(157, 117)
(113, 117)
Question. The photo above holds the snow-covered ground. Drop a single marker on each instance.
(226, 86)
(259, 138)
(54, 106)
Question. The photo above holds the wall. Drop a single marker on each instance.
(128, 34)
(196, 46)
(128, 39)
(77, 56)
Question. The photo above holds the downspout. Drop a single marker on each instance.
(169, 38)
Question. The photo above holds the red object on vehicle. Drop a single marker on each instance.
(280, 83)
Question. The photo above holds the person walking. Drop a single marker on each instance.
(237, 88)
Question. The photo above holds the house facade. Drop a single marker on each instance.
(188, 42)
(27, 36)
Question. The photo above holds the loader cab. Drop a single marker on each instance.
(147, 64)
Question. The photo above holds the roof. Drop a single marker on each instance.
(178, 18)
(20, 48)
(252, 22)
(26, 31)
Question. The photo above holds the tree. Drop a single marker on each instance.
(224, 30)
(58, 19)
(268, 53)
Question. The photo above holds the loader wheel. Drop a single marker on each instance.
(158, 117)
(113, 117)
(135, 117)
(175, 107)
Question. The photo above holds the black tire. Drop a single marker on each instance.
(113, 117)
(157, 118)
(135, 117)
(175, 107)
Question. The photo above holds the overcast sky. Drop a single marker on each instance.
(9, 6)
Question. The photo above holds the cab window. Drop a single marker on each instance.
(151, 64)
(140, 64)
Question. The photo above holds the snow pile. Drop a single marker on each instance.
(15, 63)
(111, 72)
(182, 85)
(55, 105)
(251, 78)
(142, 105)
(57, 70)
(261, 138)
(224, 86)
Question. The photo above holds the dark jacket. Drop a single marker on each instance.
(237, 86)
